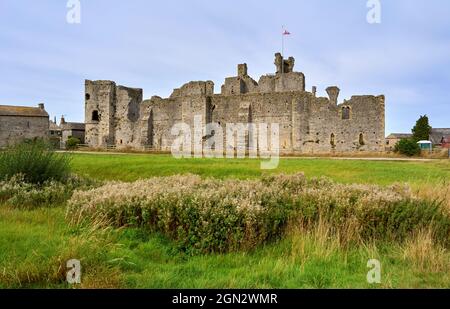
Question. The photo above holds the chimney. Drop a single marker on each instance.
(63, 121)
(333, 94)
(41, 106)
(242, 70)
(314, 91)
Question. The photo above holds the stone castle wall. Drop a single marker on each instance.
(308, 124)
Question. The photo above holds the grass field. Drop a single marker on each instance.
(35, 244)
(133, 167)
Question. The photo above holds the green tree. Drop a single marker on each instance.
(422, 129)
(72, 143)
(408, 147)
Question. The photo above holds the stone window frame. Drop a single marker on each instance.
(95, 116)
(349, 108)
(361, 141)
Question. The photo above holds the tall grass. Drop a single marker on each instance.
(211, 215)
(18, 193)
(35, 161)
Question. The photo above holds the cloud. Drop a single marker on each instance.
(161, 45)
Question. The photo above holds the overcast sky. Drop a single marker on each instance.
(160, 45)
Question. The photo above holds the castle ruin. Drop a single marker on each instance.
(118, 116)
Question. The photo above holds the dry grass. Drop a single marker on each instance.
(440, 193)
(436, 154)
(424, 254)
(318, 242)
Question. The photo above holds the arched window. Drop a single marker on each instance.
(332, 140)
(150, 130)
(361, 139)
(345, 112)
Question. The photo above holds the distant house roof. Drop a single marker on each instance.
(24, 111)
(438, 135)
(54, 126)
(399, 135)
(77, 126)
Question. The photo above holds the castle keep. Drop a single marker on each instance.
(118, 116)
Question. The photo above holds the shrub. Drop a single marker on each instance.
(20, 194)
(228, 215)
(202, 215)
(72, 143)
(408, 147)
(55, 142)
(35, 161)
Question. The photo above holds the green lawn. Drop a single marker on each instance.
(34, 245)
(133, 167)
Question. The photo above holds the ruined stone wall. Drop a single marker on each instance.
(158, 116)
(257, 108)
(112, 114)
(307, 124)
(328, 131)
(100, 103)
(16, 128)
(126, 117)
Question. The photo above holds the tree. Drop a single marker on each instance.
(72, 143)
(422, 129)
(408, 147)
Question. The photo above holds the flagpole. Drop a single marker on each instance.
(282, 50)
(282, 57)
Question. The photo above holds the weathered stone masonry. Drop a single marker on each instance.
(117, 115)
(19, 122)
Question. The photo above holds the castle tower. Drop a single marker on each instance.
(100, 102)
(333, 94)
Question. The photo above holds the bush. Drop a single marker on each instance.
(20, 194)
(35, 161)
(408, 147)
(72, 143)
(202, 215)
(228, 215)
(55, 142)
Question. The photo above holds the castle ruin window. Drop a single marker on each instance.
(345, 113)
(332, 140)
(95, 116)
(361, 139)
(150, 130)
(88, 96)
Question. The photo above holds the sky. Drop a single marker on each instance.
(160, 45)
